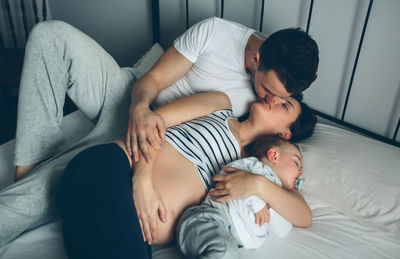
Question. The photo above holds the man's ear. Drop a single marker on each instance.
(255, 58)
(272, 155)
(287, 134)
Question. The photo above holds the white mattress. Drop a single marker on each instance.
(332, 234)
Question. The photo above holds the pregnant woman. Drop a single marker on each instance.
(102, 220)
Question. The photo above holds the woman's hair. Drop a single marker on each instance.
(304, 125)
(260, 146)
(293, 55)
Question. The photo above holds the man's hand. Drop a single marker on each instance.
(140, 133)
(262, 216)
(149, 205)
(236, 185)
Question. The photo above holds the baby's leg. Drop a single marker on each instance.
(60, 59)
(203, 233)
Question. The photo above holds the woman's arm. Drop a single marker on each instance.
(193, 106)
(148, 201)
(240, 184)
(289, 204)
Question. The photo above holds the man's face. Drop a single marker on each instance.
(267, 84)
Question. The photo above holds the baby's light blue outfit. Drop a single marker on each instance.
(217, 230)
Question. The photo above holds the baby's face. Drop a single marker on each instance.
(289, 166)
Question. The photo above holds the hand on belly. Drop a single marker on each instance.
(166, 231)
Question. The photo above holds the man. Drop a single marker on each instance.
(213, 55)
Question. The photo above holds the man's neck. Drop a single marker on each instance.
(252, 46)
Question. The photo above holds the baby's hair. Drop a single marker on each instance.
(260, 146)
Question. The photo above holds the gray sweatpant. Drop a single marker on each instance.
(59, 59)
(206, 232)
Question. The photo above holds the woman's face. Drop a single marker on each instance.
(274, 115)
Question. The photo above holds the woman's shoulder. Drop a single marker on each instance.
(223, 114)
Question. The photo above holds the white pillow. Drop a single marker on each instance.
(357, 175)
(147, 60)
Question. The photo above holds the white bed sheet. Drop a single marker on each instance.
(332, 235)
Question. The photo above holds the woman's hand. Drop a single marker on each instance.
(236, 185)
(262, 216)
(140, 133)
(149, 206)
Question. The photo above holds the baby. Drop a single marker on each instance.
(216, 230)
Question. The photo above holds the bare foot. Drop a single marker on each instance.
(21, 170)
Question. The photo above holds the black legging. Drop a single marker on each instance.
(95, 202)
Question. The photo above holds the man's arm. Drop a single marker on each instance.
(169, 68)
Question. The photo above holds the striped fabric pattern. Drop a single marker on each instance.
(207, 142)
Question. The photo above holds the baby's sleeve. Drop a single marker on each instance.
(278, 225)
(255, 203)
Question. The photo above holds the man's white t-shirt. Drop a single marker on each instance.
(216, 47)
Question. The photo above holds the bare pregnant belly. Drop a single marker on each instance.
(180, 186)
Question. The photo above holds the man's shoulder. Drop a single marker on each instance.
(221, 22)
(227, 23)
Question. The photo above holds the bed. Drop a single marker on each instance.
(349, 220)
(351, 184)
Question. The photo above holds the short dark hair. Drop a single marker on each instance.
(304, 125)
(293, 55)
(260, 146)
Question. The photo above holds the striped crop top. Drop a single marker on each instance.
(207, 142)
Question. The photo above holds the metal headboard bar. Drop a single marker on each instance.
(44, 10)
(11, 24)
(396, 131)
(1, 41)
(309, 16)
(356, 60)
(222, 8)
(23, 13)
(35, 9)
(155, 12)
(187, 14)
(262, 15)
(358, 129)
